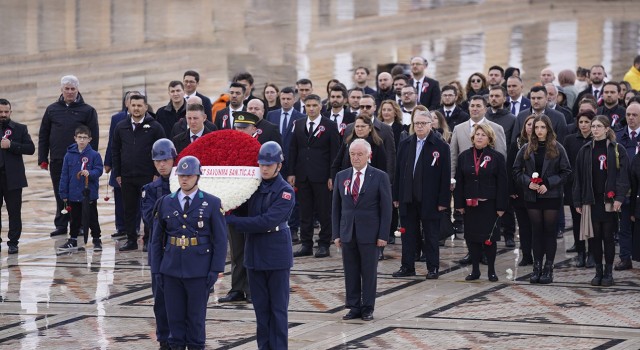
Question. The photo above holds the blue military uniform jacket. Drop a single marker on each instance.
(203, 223)
(268, 239)
(151, 192)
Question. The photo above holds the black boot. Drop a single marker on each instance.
(535, 275)
(607, 279)
(547, 273)
(597, 280)
(590, 261)
(580, 259)
(526, 260)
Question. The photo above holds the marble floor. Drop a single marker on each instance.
(102, 300)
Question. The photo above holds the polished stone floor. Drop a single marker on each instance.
(102, 300)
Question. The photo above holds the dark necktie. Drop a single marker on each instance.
(135, 126)
(355, 190)
(448, 114)
(335, 117)
(285, 123)
(595, 94)
(633, 136)
(187, 199)
(513, 107)
(194, 138)
(418, 90)
(311, 129)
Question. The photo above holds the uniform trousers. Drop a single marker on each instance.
(239, 281)
(416, 225)
(160, 311)
(186, 303)
(270, 296)
(13, 199)
(131, 195)
(360, 261)
(55, 171)
(314, 197)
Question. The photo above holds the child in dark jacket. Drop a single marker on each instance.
(81, 161)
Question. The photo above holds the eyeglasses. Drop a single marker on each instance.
(421, 123)
(476, 81)
(594, 126)
(367, 107)
(82, 137)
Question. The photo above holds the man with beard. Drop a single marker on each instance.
(15, 142)
(495, 75)
(547, 76)
(399, 81)
(452, 113)
(409, 102)
(224, 118)
(427, 89)
(596, 75)
(338, 112)
(611, 108)
(57, 132)
(539, 106)
(385, 88)
(353, 97)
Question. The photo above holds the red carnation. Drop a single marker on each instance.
(402, 230)
(488, 242)
(224, 148)
(611, 194)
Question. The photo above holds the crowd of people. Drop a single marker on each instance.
(498, 153)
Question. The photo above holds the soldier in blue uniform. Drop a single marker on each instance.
(163, 154)
(267, 254)
(188, 248)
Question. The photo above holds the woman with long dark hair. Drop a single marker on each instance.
(541, 169)
(476, 85)
(600, 185)
(270, 97)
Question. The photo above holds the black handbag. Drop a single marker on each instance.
(446, 226)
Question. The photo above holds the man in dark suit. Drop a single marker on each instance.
(246, 79)
(596, 76)
(14, 143)
(539, 106)
(191, 81)
(452, 113)
(385, 88)
(338, 112)
(304, 88)
(313, 147)
(516, 103)
(195, 120)
(224, 117)
(428, 89)
(611, 107)
(182, 125)
(361, 218)
(266, 130)
(421, 192)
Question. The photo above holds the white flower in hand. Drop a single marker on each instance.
(535, 175)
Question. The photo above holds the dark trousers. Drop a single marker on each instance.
(575, 219)
(76, 219)
(314, 197)
(119, 210)
(239, 281)
(186, 310)
(13, 199)
(131, 195)
(624, 232)
(524, 227)
(55, 171)
(270, 296)
(508, 221)
(415, 225)
(160, 311)
(360, 261)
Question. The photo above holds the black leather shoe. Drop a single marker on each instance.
(13, 249)
(432, 275)
(423, 258)
(303, 251)
(493, 277)
(573, 249)
(472, 276)
(367, 316)
(164, 346)
(560, 235)
(510, 243)
(624, 264)
(231, 297)
(466, 260)
(58, 232)
(119, 235)
(322, 252)
(351, 315)
(130, 245)
(404, 272)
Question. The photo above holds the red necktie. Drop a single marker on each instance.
(355, 190)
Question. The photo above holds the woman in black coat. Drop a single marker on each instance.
(517, 194)
(572, 144)
(600, 185)
(363, 129)
(481, 196)
(541, 169)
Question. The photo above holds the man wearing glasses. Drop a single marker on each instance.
(409, 98)
(428, 89)
(421, 192)
(191, 81)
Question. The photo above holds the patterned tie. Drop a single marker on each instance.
(194, 138)
(355, 190)
(187, 199)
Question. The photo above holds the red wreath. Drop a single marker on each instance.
(224, 148)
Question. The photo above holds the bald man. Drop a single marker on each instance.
(181, 125)
(266, 130)
(385, 88)
(547, 76)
